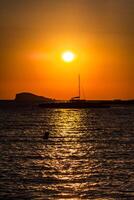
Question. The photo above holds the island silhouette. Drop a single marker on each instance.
(29, 97)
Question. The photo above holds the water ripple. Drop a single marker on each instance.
(89, 154)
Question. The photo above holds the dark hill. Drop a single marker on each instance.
(29, 97)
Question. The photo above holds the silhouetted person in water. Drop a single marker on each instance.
(46, 135)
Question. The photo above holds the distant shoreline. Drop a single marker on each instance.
(30, 102)
(27, 98)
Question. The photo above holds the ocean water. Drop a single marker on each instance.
(89, 154)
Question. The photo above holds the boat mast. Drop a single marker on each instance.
(79, 84)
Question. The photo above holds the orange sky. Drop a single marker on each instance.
(34, 34)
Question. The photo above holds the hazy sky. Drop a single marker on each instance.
(34, 33)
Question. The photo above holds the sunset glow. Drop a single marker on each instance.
(46, 44)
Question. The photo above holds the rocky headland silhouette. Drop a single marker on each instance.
(29, 97)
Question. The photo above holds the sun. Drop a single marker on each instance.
(68, 56)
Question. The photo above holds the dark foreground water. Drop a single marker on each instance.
(89, 155)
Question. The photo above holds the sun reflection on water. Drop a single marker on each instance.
(64, 154)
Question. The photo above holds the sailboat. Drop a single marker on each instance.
(79, 95)
(75, 102)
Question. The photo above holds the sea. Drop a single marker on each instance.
(89, 153)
